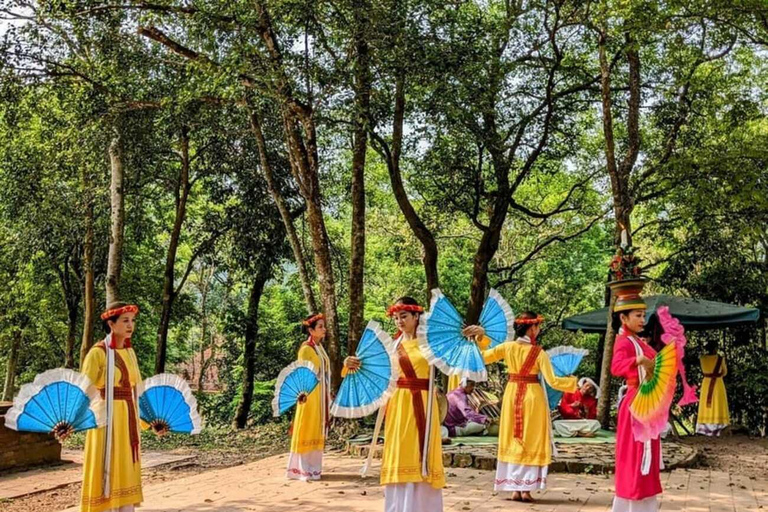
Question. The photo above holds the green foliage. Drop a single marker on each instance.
(477, 115)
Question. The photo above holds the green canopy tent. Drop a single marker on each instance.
(694, 314)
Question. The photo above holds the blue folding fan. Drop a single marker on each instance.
(497, 319)
(366, 389)
(443, 344)
(60, 402)
(166, 401)
(294, 384)
(565, 360)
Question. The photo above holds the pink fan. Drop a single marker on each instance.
(674, 331)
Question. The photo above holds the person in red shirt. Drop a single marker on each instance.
(578, 411)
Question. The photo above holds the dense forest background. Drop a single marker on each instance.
(232, 166)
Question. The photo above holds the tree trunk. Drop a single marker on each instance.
(169, 293)
(392, 158)
(13, 358)
(601, 341)
(362, 107)
(72, 301)
(285, 214)
(204, 327)
(620, 185)
(117, 201)
(90, 302)
(324, 265)
(72, 310)
(489, 244)
(301, 139)
(249, 352)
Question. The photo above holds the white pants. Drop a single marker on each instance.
(645, 505)
(305, 466)
(470, 429)
(518, 477)
(124, 508)
(412, 497)
(573, 428)
(710, 429)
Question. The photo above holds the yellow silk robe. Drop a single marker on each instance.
(126, 474)
(535, 449)
(717, 413)
(401, 460)
(308, 429)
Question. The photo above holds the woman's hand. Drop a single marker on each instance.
(473, 332)
(648, 364)
(351, 363)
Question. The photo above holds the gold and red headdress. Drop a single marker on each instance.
(311, 320)
(411, 308)
(111, 313)
(538, 319)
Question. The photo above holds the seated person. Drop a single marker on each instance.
(578, 411)
(462, 419)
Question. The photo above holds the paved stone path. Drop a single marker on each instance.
(261, 486)
(23, 483)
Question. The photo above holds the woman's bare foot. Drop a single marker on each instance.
(516, 496)
(527, 498)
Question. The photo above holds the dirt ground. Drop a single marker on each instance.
(737, 454)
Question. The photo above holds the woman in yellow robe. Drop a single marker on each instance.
(119, 487)
(311, 419)
(409, 485)
(525, 449)
(713, 415)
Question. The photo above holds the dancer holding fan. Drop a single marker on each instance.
(637, 463)
(112, 463)
(412, 463)
(310, 424)
(650, 380)
(525, 450)
(107, 400)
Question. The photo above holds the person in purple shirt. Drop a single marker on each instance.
(462, 419)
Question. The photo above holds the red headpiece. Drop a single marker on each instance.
(411, 308)
(130, 308)
(311, 320)
(529, 321)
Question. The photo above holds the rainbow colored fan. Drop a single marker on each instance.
(59, 402)
(497, 319)
(369, 387)
(443, 344)
(166, 402)
(650, 407)
(294, 384)
(565, 360)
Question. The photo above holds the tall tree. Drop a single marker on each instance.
(362, 85)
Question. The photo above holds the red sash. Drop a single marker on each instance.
(416, 386)
(522, 379)
(124, 392)
(716, 374)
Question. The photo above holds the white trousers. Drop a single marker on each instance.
(645, 505)
(573, 428)
(519, 477)
(305, 466)
(412, 497)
